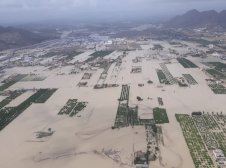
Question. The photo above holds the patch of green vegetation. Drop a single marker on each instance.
(121, 116)
(79, 107)
(124, 93)
(157, 47)
(44, 95)
(220, 138)
(50, 54)
(33, 78)
(216, 74)
(190, 79)
(12, 96)
(72, 107)
(162, 77)
(9, 114)
(196, 146)
(186, 63)
(11, 81)
(219, 66)
(127, 116)
(218, 88)
(204, 42)
(160, 115)
(98, 54)
(72, 54)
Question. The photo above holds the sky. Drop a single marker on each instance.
(22, 11)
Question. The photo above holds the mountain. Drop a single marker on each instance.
(11, 37)
(195, 19)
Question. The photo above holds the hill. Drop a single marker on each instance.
(11, 37)
(196, 19)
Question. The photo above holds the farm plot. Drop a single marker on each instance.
(121, 116)
(128, 116)
(98, 54)
(11, 81)
(8, 114)
(87, 75)
(12, 95)
(33, 78)
(219, 66)
(72, 107)
(186, 63)
(162, 76)
(103, 76)
(71, 54)
(190, 79)
(212, 131)
(217, 88)
(160, 115)
(196, 146)
(216, 74)
(167, 74)
(43, 95)
(124, 93)
(136, 69)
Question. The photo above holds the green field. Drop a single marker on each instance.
(190, 79)
(43, 95)
(33, 78)
(162, 76)
(72, 54)
(11, 81)
(196, 146)
(160, 115)
(12, 96)
(98, 54)
(218, 88)
(219, 66)
(186, 63)
(9, 114)
(124, 93)
(72, 107)
(216, 74)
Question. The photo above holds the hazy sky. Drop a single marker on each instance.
(37, 10)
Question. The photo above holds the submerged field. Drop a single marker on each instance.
(102, 114)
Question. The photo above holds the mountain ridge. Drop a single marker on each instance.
(195, 19)
(11, 37)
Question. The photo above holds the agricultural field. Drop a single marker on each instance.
(186, 63)
(136, 69)
(43, 95)
(87, 75)
(98, 54)
(218, 88)
(168, 75)
(196, 146)
(216, 74)
(219, 66)
(72, 107)
(70, 55)
(121, 116)
(12, 95)
(190, 79)
(162, 77)
(33, 78)
(128, 116)
(124, 93)
(8, 114)
(160, 115)
(11, 81)
(107, 127)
